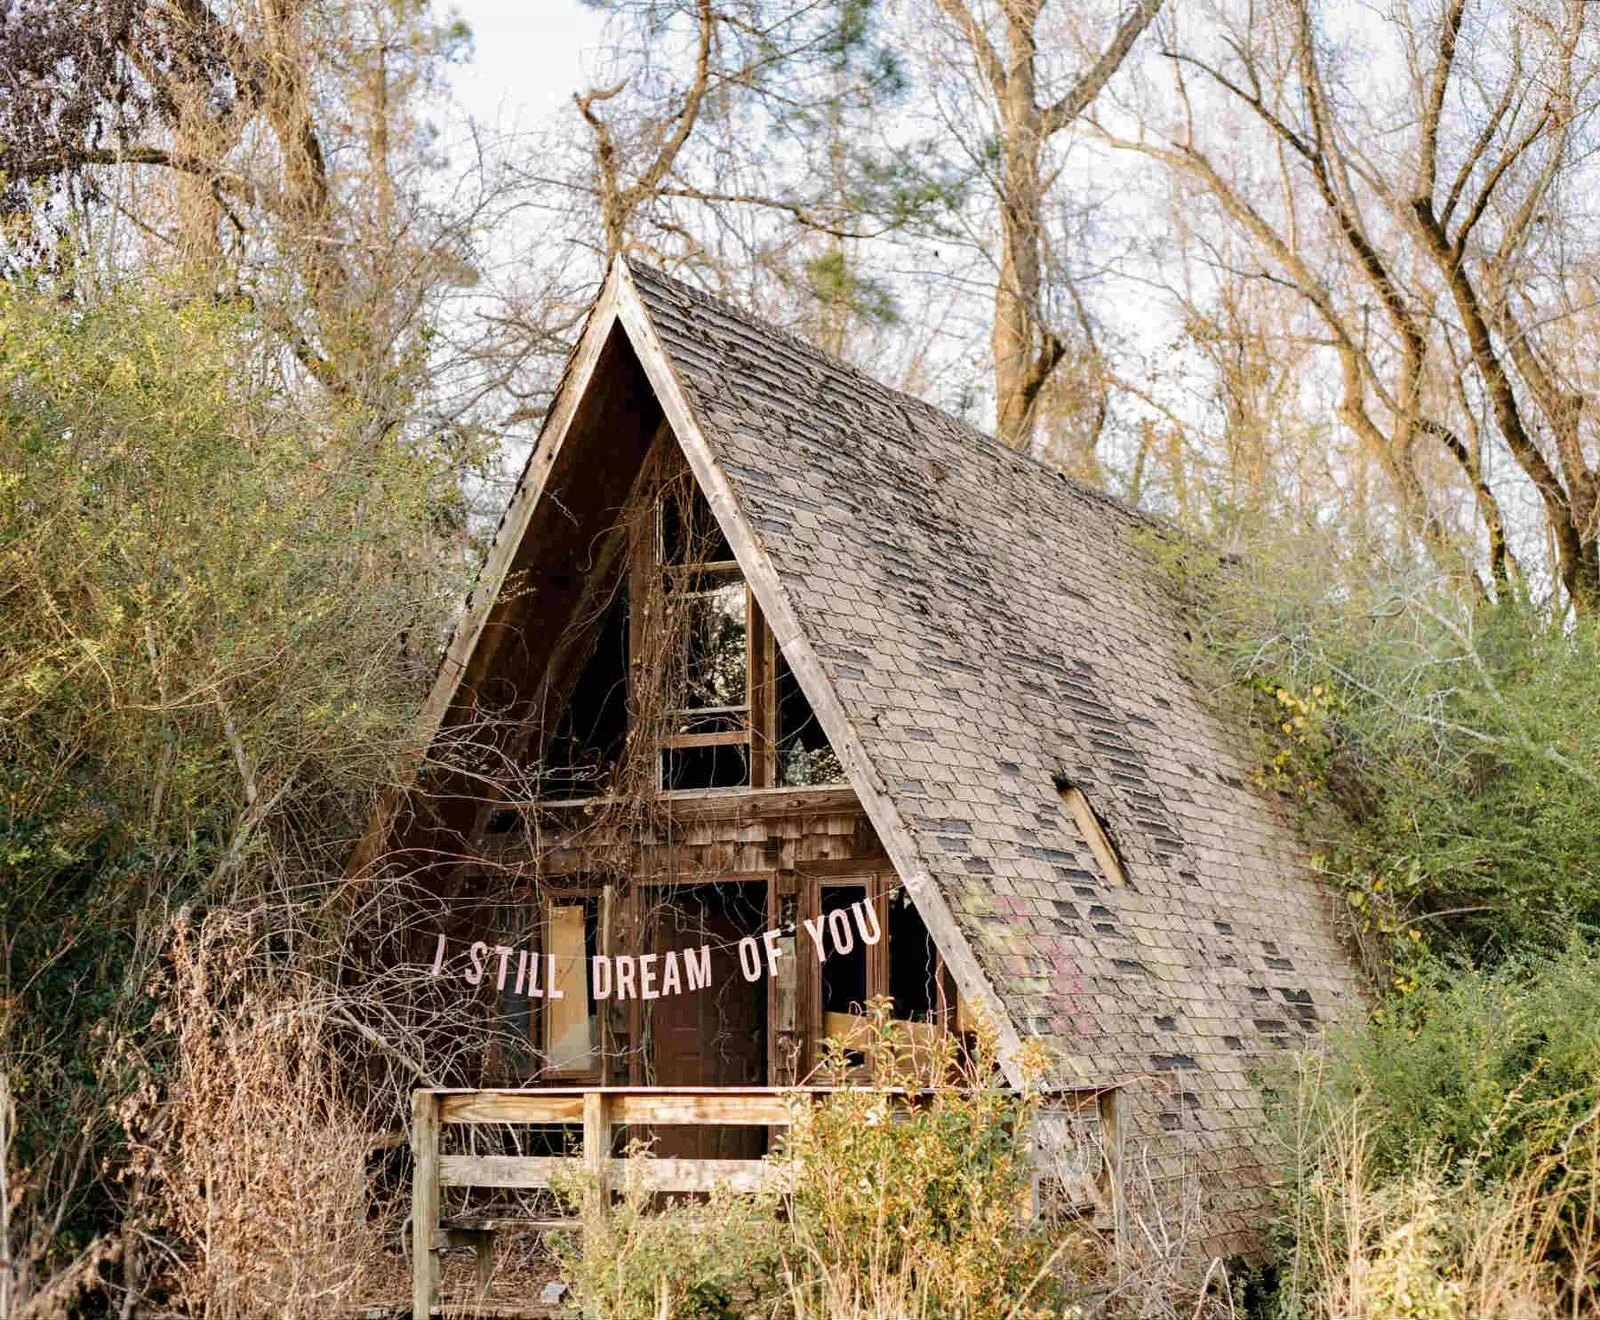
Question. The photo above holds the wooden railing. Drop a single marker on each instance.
(599, 1110)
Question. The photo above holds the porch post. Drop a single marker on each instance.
(424, 1203)
(1109, 1103)
(597, 1147)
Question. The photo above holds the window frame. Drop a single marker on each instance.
(758, 736)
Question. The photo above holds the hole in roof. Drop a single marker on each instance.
(1093, 829)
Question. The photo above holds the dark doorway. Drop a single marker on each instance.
(716, 1036)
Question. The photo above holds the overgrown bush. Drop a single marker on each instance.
(1446, 1159)
(256, 1160)
(909, 1197)
(921, 1206)
(1445, 754)
(1445, 751)
(699, 1260)
(210, 585)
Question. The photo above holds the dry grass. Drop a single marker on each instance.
(260, 1161)
(1430, 1246)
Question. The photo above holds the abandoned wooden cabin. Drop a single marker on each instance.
(761, 641)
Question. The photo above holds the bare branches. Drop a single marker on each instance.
(1081, 95)
(1026, 346)
(619, 201)
(1495, 137)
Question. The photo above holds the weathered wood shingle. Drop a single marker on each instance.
(993, 629)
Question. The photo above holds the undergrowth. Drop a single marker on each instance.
(1443, 752)
(894, 1203)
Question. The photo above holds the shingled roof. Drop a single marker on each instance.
(974, 631)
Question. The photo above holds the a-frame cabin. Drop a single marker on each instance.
(761, 642)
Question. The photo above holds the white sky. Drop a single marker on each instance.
(528, 59)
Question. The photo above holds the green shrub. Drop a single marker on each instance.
(209, 580)
(1447, 1154)
(1480, 1069)
(1445, 752)
(920, 1207)
(697, 1260)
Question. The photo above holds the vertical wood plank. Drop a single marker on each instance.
(424, 1203)
(878, 954)
(763, 700)
(1109, 1104)
(596, 1151)
(607, 1044)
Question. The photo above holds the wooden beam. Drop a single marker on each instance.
(678, 1175)
(533, 1172)
(425, 1182)
(510, 1107)
(597, 1150)
(520, 1171)
(729, 1110)
(1109, 1104)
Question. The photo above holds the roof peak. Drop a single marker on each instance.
(633, 270)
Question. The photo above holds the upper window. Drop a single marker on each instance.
(708, 725)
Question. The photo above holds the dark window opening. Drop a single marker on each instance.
(587, 740)
(511, 924)
(805, 756)
(913, 962)
(721, 765)
(687, 531)
(844, 975)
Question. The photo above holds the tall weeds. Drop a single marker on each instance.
(258, 1156)
(1438, 1237)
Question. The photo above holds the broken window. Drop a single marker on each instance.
(587, 739)
(805, 756)
(714, 656)
(707, 739)
(914, 966)
(687, 530)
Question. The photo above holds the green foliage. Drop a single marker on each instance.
(1445, 1159)
(1447, 751)
(834, 282)
(1479, 1071)
(712, 1259)
(205, 583)
(1445, 756)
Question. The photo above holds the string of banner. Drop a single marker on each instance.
(623, 976)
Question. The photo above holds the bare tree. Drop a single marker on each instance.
(1413, 189)
(1005, 48)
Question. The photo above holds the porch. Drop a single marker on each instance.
(1076, 1145)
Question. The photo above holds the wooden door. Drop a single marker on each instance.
(716, 1036)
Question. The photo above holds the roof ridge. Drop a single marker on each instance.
(984, 440)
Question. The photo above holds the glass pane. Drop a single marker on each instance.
(715, 658)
